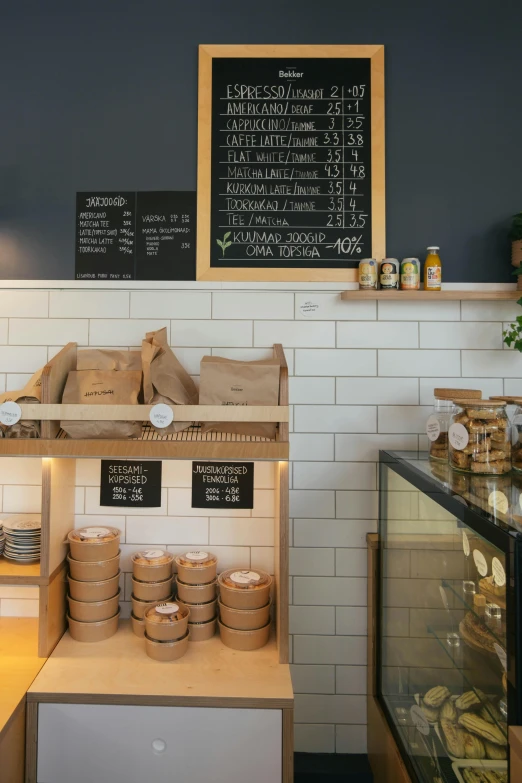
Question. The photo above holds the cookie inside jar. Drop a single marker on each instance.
(479, 437)
(438, 422)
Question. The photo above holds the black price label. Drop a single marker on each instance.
(130, 484)
(223, 485)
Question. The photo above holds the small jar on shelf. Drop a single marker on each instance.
(438, 422)
(479, 437)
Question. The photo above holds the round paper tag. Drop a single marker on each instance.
(498, 501)
(167, 608)
(10, 413)
(309, 309)
(499, 575)
(245, 577)
(196, 556)
(480, 562)
(465, 543)
(161, 415)
(458, 436)
(95, 532)
(433, 428)
(153, 554)
(444, 597)
(419, 720)
(501, 655)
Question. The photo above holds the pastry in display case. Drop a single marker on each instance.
(447, 666)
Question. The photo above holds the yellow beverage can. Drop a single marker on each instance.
(410, 274)
(368, 274)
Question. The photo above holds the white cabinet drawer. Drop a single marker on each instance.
(119, 744)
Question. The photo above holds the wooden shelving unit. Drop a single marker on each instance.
(429, 296)
(20, 574)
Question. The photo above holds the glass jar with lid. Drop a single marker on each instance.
(516, 430)
(439, 421)
(479, 438)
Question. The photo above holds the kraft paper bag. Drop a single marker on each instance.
(165, 379)
(31, 393)
(230, 382)
(102, 387)
(101, 359)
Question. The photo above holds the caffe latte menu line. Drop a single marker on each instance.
(291, 162)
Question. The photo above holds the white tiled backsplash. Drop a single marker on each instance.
(363, 374)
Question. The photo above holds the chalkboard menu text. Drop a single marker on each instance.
(130, 484)
(223, 485)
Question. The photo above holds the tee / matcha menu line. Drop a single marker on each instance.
(291, 162)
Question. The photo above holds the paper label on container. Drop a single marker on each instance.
(465, 543)
(498, 501)
(419, 720)
(167, 608)
(499, 575)
(480, 562)
(502, 656)
(196, 556)
(95, 532)
(433, 428)
(161, 415)
(153, 554)
(245, 577)
(10, 413)
(458, 436)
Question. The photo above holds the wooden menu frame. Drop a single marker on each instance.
(206, 55)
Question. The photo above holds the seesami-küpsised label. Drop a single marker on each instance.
(223, 485)
(458, 436)
(130, 483)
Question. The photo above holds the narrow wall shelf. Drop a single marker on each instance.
(425, 296)
(20, 574)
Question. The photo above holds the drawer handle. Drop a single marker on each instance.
(159, 746)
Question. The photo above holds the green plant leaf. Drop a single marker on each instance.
(227, 244)
(227, 235)
(220, 243)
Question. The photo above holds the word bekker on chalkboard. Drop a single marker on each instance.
(149, 235)
(290, 161)
(130, 484)
(223, 485)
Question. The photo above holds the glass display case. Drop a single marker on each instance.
(449, 602)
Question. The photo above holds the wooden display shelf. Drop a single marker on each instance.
(428, 296)
(118, 671)
(20, 574)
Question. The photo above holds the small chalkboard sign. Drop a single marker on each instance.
(223, 485)
(149, 235)
(130, 484)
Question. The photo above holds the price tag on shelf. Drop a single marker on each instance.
(465, 544)
(223, 485)
(499, 575)
(458, 436)
(161, 415)
(498, 501)
(10, 413)
(480, 562)
(444, 597)
(433, 428)
(419, 720)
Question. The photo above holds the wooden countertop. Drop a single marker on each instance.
(19, 663)
(118, 671)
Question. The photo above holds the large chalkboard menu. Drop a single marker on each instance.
(150, 235)
(294, 162)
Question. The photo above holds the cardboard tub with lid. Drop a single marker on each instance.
(196, 594)
(94, 591)
(196, 568)
(244, 619)
(200, 632)
(152, 591)
(166, 651)
(166, 622)
(93, 571)
(152, 565)
(201, 613)
(93, 632)
(93, 611)
(244, 640)
(244, 589)
(92, 544)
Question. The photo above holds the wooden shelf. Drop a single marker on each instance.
(20, 574)
(420, 296)
(19, 664)
(118, 671)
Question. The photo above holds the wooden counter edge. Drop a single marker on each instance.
(146, 700)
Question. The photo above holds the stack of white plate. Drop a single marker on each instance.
(2, 538)
(22, 539)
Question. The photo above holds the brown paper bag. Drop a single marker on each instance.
(165, 379)
(101, 387)
(229, 382)
(31, 393)
(100, 359)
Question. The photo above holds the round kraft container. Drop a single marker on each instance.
(241, 598)
(166, 651)
(201, 613)
(94, 551)
(152, 591)
(244, 619)
(244, 640)
(138, 626)
(93, 632)
(171, 630)
(93, 611)
(152, 571)
(140, 607)
(196, 594)
(94, 591)
(200, 632)
(192, 573)
(84, 571)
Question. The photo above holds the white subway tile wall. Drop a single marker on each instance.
(362, 378)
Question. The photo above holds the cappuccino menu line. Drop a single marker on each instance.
(291, 162)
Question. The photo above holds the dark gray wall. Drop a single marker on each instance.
(103, 96)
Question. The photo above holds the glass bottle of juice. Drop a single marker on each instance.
(432, 270)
